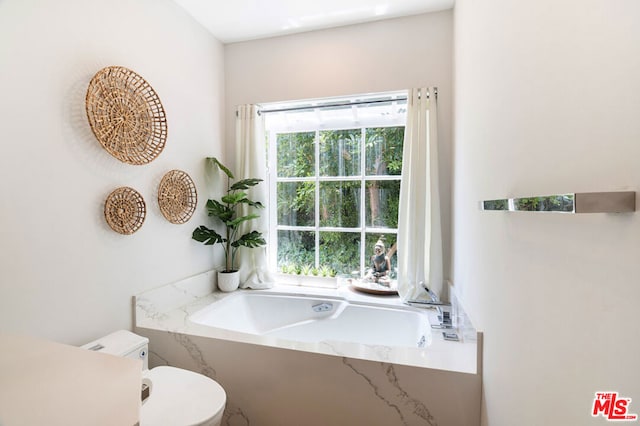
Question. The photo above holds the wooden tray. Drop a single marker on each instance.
(373, 288)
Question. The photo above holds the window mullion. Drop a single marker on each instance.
(363, 200)
(272, 174)
(317, 199)
(383, 177)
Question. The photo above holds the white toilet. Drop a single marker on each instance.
(170, 396)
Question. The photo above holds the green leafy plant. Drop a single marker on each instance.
(226, 210)
(305, 269)
(327, 271)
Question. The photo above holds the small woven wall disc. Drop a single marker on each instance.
(126, 115)
(177, 196)
(125, 210)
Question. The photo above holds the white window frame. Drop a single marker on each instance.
(394, 120)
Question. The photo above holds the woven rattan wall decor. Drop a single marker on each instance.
(126, 115)
(177, 197)
(125, 210)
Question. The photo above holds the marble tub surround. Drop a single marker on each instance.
(279, 382)
(268, 386)
(169, 307)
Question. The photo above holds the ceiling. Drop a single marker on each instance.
(239, 20)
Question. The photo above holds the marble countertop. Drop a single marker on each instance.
(168, 308)
(49, 383)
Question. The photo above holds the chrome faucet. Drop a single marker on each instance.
(433, 302)
(444, 309)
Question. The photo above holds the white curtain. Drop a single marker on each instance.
(419, 232)
(251, 163)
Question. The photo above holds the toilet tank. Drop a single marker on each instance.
(122, 343)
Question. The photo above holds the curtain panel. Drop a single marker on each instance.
(251, 163)
(420, 265)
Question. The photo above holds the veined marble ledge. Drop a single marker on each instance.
(168, 308)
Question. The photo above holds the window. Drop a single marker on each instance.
(335, 172)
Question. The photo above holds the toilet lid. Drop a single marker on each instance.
(180, 397)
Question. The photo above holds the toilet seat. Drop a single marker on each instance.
(181, 397)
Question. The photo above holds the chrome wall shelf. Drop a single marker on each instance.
(578, 202)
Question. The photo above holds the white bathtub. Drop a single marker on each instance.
(283, 363)
(316, 319)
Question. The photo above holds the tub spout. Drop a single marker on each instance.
(433, 302)
(426, 303)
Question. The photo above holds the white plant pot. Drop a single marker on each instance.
(228, 281)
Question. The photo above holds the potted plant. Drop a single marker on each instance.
(226, 210)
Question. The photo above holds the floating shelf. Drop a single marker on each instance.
(578, 202)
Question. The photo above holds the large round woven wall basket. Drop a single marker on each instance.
(126, 115)
(125, 210)
(177, 196)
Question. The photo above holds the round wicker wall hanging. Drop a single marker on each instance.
(177, 197)
(126, 115)
(125, 210)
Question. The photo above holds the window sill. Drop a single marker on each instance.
(306, 280)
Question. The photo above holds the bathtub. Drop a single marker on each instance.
(289, 356)
(314, 319)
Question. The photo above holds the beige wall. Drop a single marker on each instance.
(64, 274)
(388, 55)
(547, 102)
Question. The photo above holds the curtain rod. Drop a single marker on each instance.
(338, 104)
(334, 104)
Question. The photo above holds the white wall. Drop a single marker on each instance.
(64, 274)
(547, 102)
(382, 56)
